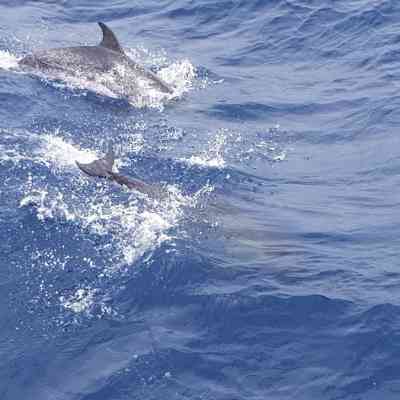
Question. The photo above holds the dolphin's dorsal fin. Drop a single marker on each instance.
(101, 167)
(109, 41)
(110, 157)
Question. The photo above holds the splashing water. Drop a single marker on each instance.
(58, 152)
(138, 225)
(124, 226)
(180, 75)
(81, 301)
(8, 61)
(213, 156)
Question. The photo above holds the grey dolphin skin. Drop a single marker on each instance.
(90, 61)
(102, 168)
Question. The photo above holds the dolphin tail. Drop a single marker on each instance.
(109, 40)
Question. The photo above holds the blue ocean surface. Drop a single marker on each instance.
(269, 267)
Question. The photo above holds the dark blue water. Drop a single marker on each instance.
(270, 268)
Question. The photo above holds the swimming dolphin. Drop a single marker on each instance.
(102, 168)
(92, 61)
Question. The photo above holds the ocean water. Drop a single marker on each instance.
(269, 269)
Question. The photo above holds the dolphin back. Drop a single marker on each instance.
(92, 61)
(134, 184)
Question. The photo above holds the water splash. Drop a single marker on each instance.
(213, 155)
(124, 226)
(138, 225)
(80, 301)
(58, 152)
(180, 75)
(8, 61)
(231, 147)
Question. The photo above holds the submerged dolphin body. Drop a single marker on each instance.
(102, 168)
(92, 61)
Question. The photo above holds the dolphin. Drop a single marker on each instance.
(93, 61)
(103, 168)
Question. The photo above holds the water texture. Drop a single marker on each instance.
(269, 268)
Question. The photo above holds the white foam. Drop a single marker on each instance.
(180, 75)
(147, 57)
(60, 153)
(13, 155)
(50, 149)
(205, 161)
(137, 226)
(81, 301)
(133, 224)
(7, 60)
(213, 156)
(269, 148)
(280, 156)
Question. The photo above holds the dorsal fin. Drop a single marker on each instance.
(109, 41)
(101, 167)
(110, 156)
